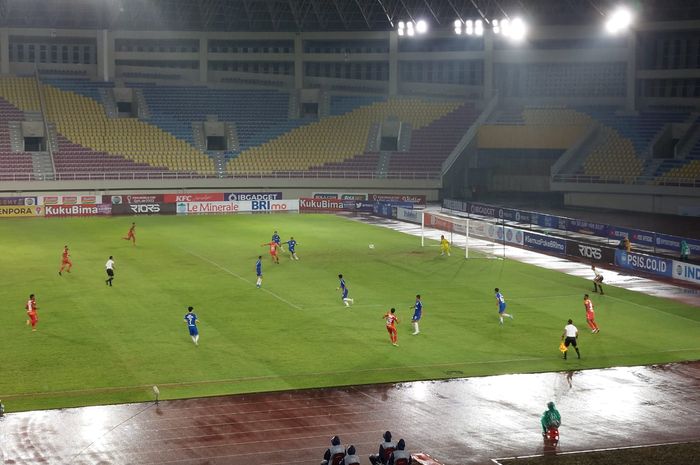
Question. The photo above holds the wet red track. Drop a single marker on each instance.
(458, 422)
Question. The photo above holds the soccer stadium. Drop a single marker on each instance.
(291, 232)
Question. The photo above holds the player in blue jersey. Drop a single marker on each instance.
(191, 320)
(258, 271)
(501, 306)
(276, 238)
(417, 313)
(344, 289)
(291, 245)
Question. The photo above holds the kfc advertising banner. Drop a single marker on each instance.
(203, 197)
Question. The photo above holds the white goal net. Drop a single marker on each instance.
(468, 234)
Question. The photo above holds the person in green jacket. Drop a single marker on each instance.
(685, 251)
(550, 418)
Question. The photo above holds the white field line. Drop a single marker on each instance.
(226, 270)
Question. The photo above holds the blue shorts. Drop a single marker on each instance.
(345, 294)
(416, 317)
(193, 330)
(502, 307)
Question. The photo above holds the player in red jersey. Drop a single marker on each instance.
(130, 235)
(65, 261)
(590, 314)
(31, 312)
(273, 251)
(391, 321)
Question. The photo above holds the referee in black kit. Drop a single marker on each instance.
(569, 337)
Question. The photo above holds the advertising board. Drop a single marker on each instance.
(587, 227)
(77, 210)
(593, 253)
(499, 234)
(645, 263)
(686, 272)
(233, 196)
(197, 197)
(414, 199)
(143, 209)
(243, 206)
(13, 211)
(70, 199)
(339, 195)
(134, 198)
(18, 200)
(673, 243)
(410, 215)
(544, 243)
(432, 221)
(321, 205)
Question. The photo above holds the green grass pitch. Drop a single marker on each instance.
(99, 345)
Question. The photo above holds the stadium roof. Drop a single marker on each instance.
(314, 15)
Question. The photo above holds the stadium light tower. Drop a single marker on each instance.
(619, 21)
(421, 26)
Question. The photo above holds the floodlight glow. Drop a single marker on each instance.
(410, 32)
(620, 20)
(496, 28)
(401, 32)
(479, 27)
(458, 27)
(421, 26)
(505, 27)
(517, 30)
(402, 25)
(469, 27)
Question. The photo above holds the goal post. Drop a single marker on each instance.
(455, 230)
(483, 236)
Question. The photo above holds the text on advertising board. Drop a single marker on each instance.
(77, 210)
(253, 196)
(19, 210)
(201, 197)
(646, 263)
(686, 272)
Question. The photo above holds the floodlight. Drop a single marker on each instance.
(401, 32)
(619, 21)
(469, 27)
(496, 28)
(458, 27)
(479, 27)
(402, 25)
(410, 32)
(517, 29)
(505, 27)
(421, 26)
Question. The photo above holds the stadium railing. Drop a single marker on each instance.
(151, 175)
(634, 180)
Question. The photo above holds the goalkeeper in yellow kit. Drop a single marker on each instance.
(444, 246)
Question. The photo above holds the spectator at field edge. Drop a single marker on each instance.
(628, 244)
(550, 418)
(386, 448)
(335, 454)
(685, 251)
(351, 458)
(400, 456)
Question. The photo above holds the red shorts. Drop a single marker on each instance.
(590, 316)
(391, 330)
(66, 262)
(33, 317)
(273, 253)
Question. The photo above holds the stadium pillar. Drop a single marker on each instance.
(298, 62)
(393, 63)
(105, 55)
(631, 75)
(4, 52)
(488, 66)
(203, 59)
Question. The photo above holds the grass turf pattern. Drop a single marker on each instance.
(97, 344)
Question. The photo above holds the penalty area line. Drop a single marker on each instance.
(236, 275)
